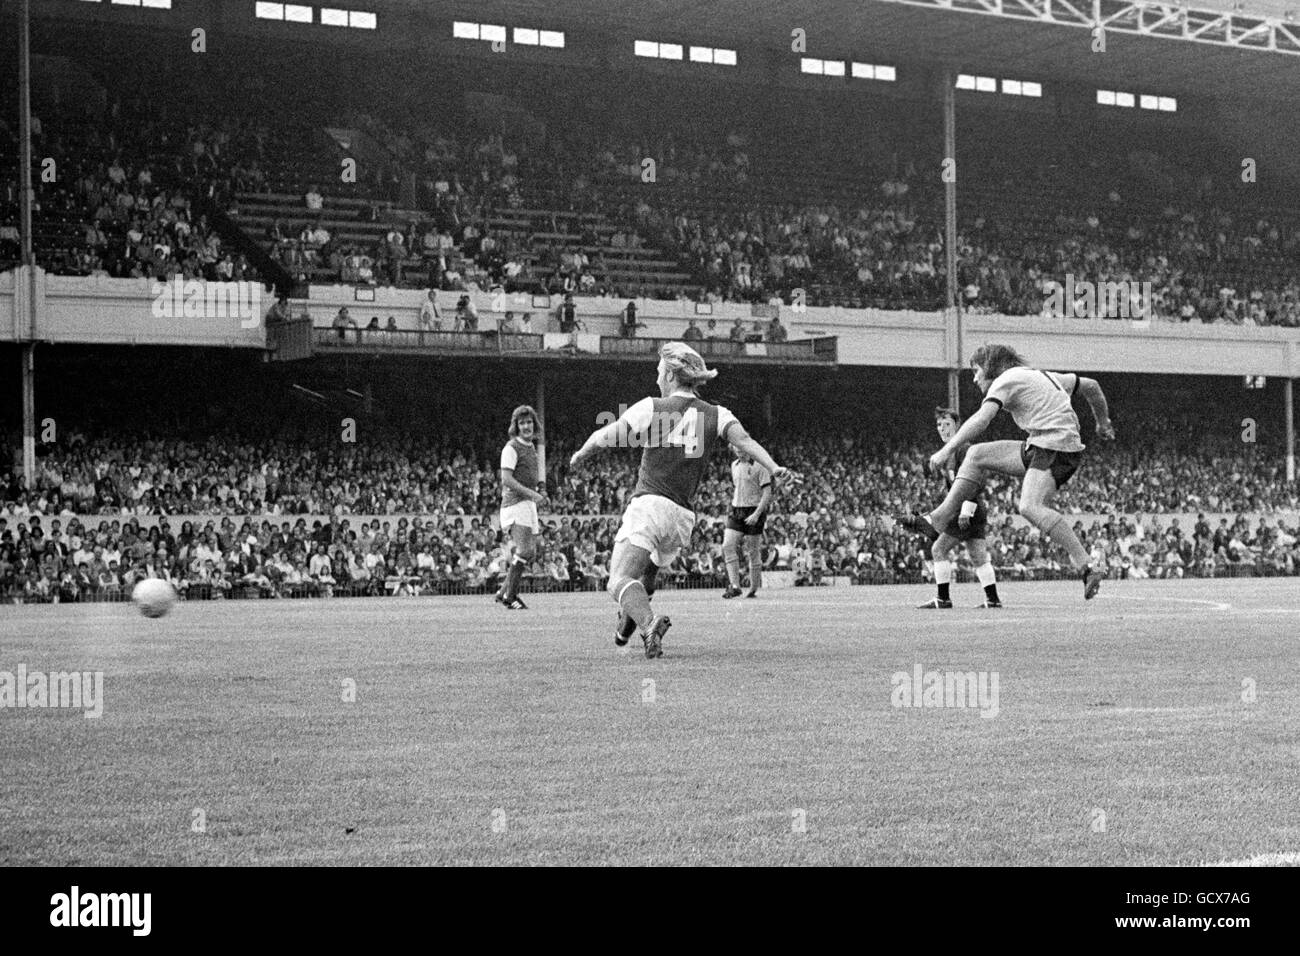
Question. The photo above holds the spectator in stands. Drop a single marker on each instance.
(692, 333)
(278, 314)
(776, 332)
(344, 321)
(314, 201)
(430, 317)
(395, 253)
(314, 237)
(567, 315)
(10, 241)
(628, 323)
(466, 315)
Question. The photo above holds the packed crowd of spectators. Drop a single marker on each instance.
(865, 256)
(1204, 264)
(414, 555)
(128, 169)
(438, 499)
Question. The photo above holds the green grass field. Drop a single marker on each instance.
(482, 736)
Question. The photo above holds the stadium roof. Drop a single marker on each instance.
(968, 39)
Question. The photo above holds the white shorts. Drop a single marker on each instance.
(524, 513)
(661, 526)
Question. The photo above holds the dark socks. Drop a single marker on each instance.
(648, 579)
(512, 579)
(627, 627)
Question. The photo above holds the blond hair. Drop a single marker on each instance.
(685, 365)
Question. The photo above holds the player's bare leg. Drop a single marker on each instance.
(731, 543)
(626, 626)
(628, 565)
(754, 545)
(940, 551)
(996, 457)
(1036, 494)
(522, 536)
(979, 556)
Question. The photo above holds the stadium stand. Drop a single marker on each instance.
(216, 174)
(404, 516)
(740, 216)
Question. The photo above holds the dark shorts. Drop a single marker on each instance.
(1062, 464)
(736, 521)
(978, 528)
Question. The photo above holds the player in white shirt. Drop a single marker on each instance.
(749, 506)
(1040, 403)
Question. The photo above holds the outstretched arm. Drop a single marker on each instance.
(601, 438)
(741, 441)
(633, 421)
(1097, 402)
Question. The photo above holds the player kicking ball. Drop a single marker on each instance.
(1040, 403)
(677, 433)
(749, 505)
(520, 478)
(970, 528)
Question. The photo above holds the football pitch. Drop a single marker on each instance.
(1158, 724)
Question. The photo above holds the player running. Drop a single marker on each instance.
(749, 505)
(678, 433)
(520, 477)
(1039, 402)
(970, 527)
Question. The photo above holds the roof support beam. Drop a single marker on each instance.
(1158, 19)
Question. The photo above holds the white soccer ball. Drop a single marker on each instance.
(154, 597)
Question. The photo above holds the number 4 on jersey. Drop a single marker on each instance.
(686, 433)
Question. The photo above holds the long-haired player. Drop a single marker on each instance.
(678, 433)
(521, 477)
(969, 528)
(1040, 402)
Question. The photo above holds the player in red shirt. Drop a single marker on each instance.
(678, 433)
(521, 477)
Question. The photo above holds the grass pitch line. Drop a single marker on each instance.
(1290, 858)
(1214, 605)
